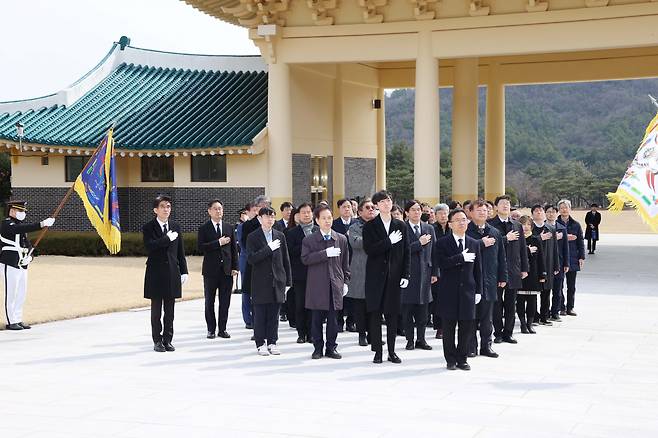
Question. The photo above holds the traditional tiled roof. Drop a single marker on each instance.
(157, 100)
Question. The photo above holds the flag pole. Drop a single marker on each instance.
(65, 199)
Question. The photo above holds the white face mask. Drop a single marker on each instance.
(20, 215)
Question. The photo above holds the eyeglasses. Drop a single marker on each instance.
(369, 207)
(459, 221)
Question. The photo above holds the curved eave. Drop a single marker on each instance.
(214, 8)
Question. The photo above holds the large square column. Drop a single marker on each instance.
(494, 144)
(279, 133)
(426, 124)
(465, 130)
(381, 142)
(339, 151)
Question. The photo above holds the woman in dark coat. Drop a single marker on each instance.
(592, 222)
(533, 284)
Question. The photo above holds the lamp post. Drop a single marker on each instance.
(20, 130)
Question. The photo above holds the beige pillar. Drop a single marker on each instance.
(381, 143)
(426, 123)
(338, 167)
(494, 143)
(279, 133)
(465, 130)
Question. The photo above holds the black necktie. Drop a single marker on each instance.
(219, 230)
(481, 230)
(417, 230)
(164, 228)
(461, 245)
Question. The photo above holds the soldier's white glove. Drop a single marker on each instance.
(469, 257)
(183, 278)
(395, 237)
(478, 298)
(172, 235)
(333, 251)
(48, 222)
(345, 289)
(26, 261)
(404, 283)
(274, 245)
(285, 293)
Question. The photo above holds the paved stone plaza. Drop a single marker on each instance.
(594, 375)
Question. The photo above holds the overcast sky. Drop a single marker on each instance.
(49, 44)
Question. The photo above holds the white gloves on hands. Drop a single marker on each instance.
(49, 222)
(274, 245)
(345, 289)
(478, 298)
(26, 261)
(172, 235)
(395, 237)
(285, 293)
(183, 278)
(533, 249)
(469, 257)
(404, 283)
(333, 251)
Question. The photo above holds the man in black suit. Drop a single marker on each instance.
(216, 241)
(386, 243)
(271, 279)
(286, 210)
(166, 271)
(461, 288)
(517, 269)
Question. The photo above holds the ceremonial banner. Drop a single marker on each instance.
(638, 187)
(97, 188)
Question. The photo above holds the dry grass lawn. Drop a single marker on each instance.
(70, 287)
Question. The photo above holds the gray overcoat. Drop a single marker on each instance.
(357, 288)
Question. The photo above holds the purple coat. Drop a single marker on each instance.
(325, 272)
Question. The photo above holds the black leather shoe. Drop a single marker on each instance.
(210, 335)
(253, 338)
(363, 341)
(410, 345)
(451, 366)
(556, 318)
(249, 326)
(341, 329)
(309, 340)
(531, 330)
(563, 312)
(333, 354)
(377, 358)
(488, 352)
(168, 346)
(464, 366)
(545, 322)
(351, 328)
(317, 354)
(14, 326)
(301, 339)
(223, 335)
(401, 332)
(283, 318)
(439, 334)
(159, 347)
(571, 313)
(423, 345)
(498, 340)
(524, 329)
(392, 357)
(25, 326)
(510, 340)
(472, 354)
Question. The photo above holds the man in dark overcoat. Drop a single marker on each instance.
(166, 271)
(563, 260)
(549, 248)
(386, 243)
(592, 222)
(459, 260)
(326, 255)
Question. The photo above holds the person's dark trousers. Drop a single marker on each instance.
(557, 301)
(525, 308)
(347, 313)
(504, 312)
(360, 315)
(340, 318)
(545, 307)
(283, 309)
(376, 331)
(291, 308)
(211, 286)
(434, 307)
(571, 289)
(414, 316)
(456, 354)
(484, 324)
(157, 332)
(247, 315)
(318, 317)
(591, 245)
(303, 315)
(266, 323)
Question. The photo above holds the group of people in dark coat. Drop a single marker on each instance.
(462, 271)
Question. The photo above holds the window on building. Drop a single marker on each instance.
(209, 168)
(319, 176)
(73, 165)
(157, 169)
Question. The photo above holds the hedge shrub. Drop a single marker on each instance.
(89, 244)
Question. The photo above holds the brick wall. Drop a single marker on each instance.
(301, 179)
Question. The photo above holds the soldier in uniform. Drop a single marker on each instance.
(15, 258)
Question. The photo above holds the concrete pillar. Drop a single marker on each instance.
(339, 154)
(279, 133)
(494, 143)
(426, 123)
(380, 183)
(465, 130)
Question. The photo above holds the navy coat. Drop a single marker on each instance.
(270, 270)
(515, 251)
(494, 261)
(165, 262)
(422, 267)
(294, 239)
(339, 227)
(576, 247)
(460, 281)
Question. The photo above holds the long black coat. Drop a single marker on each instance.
(165, 262)
(549, 249)
(592, 222)
(494, 261)
(217, 260)
(270, 270)
(248, 227)
(460, 281)
(294, 238)
(422, 267)
(515, 251)
(536, 269)
(326, 275)
(387, 264)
